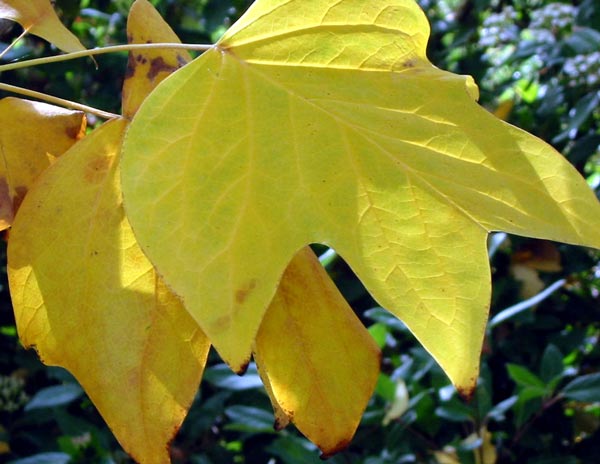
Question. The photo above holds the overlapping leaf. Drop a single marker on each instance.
(323, 121)
(88, 299)
(316, 356)
(329, 366)
(145, 70)
(39, 18)
(24, 153)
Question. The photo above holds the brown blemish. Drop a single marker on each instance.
(6, 205)
(130, 70)
(467, 393)
(409, 63)
(158, 65)
(95, 171)
(242, 294)
(342, 445)
(278, 425)
(243, 368)
(72, 132)
(20, 193)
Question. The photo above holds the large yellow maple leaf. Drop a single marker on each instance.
(323, 121)
(88, 299)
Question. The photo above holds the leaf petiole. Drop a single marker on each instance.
(13, 43)
(82, 54)
(57, 101)
(100, 51)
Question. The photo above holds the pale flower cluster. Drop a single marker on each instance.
(12, 394)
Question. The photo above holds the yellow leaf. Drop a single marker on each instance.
(87, 299)
(147, 68)
(447, 456)
(323, 121)
(536, 255)
(24, 153)
(319, 360)
(400, 404)
(282, 420)
(488, 454)
(39, 18)
(504, 109)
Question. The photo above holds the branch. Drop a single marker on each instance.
(524, 305)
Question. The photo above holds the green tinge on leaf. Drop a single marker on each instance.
(330, 125)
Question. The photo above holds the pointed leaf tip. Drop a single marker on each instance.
(318, 362)
(39, 18)
(147, 68)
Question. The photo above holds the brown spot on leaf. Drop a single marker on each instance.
(20, 193)
(158, 65)
(74, 132)
(130, 70)
(6, 205)
(242, 294)
(96, 170)
(279, 425)
(241, 370)
(467, 393)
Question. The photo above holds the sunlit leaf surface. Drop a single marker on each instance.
(323, 121)
(39, 18)
(319, 360)
(87, 299)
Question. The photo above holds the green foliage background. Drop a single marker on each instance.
(538, 64)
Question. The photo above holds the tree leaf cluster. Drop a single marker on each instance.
(245, 290)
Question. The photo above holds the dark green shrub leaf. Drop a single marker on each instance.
(455, 412)
(585, 388)
(551, 369)
(582, 111)
(250, 419)
(58, 395)
(44, 458)
(221, 376)
(584, 40)
(292, 450)
(524, 377)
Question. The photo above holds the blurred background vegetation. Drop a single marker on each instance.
(538, 399)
